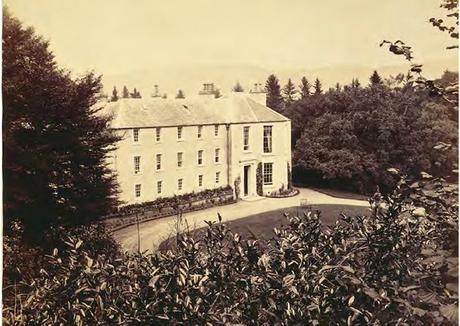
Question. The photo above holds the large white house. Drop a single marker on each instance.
(176, 146)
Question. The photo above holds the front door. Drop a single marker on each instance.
(246, 180)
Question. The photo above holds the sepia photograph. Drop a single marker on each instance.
(230, 162)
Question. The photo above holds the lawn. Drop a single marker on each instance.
(261, 225)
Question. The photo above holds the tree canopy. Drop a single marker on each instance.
(289, 92)
(274, 98)
(350, 137)
(238, 88)
(305, 87)
(55, 144)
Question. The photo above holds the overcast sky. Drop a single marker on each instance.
(114, 36)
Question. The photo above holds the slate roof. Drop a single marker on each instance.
(157, 112)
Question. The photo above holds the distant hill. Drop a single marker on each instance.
(190, 79)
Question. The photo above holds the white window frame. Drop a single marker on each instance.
(199, 132)
(246, 131)
(180, 159)
(136, 134)
(200, 160)
(137, 190)
(268, 139)
(158, 162)
(180, 184)
(216, 130)
(159, 186)
(268, 173)
(217, 177)
(137, 164)
(158, 134)
(180, 133)
(217, 155)
(200, 180)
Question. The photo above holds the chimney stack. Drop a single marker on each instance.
(156, 91)
(258, 94)
(208, 90)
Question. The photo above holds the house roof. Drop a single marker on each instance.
(157, 112)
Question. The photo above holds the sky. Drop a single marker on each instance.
(115, 36)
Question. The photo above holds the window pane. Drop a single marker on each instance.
(216, 130)
(137, 190)
(159, 186)
(158, 134)
(137, 164)
(200, 157)
(245, 138)
(267, 139)
(136, 135)
(179, 159)
(268, 173)
(158, 162)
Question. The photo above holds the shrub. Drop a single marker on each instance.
(361, 270)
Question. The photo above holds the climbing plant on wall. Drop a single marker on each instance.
(259, 179)
(289, 175)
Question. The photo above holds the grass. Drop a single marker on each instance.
(261, 225)
(340, 193)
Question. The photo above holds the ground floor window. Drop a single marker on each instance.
(179, 184)
(200, 180)
(137, 190)
(159, 186)
(268, 173)
(217, 177)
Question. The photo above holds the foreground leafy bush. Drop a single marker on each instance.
(361, 270)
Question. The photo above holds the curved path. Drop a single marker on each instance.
(152, 233)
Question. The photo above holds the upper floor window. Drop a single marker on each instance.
(180, 183)
(268, 139)
(159, 187)
(136, 135)
(158, 162)
(200, 180)
(217, 177)
(137, 164)
(158, 134)
(245, 138)
(216, 130)
(268, 173)
(180, 159)
(217, 155)
(199, 131)
(137, 190)
(179, 132)
(200, 157)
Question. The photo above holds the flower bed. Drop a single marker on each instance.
(284, 193)
(162, 207)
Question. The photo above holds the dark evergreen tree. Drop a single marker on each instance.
(289, 92)
(355, 83)
(318, 87)
(238, 88)
(55, 144)
(180, 94)
(114, 97)
(274, 98)
(304, 88)
(375, 79)
(125, 92)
